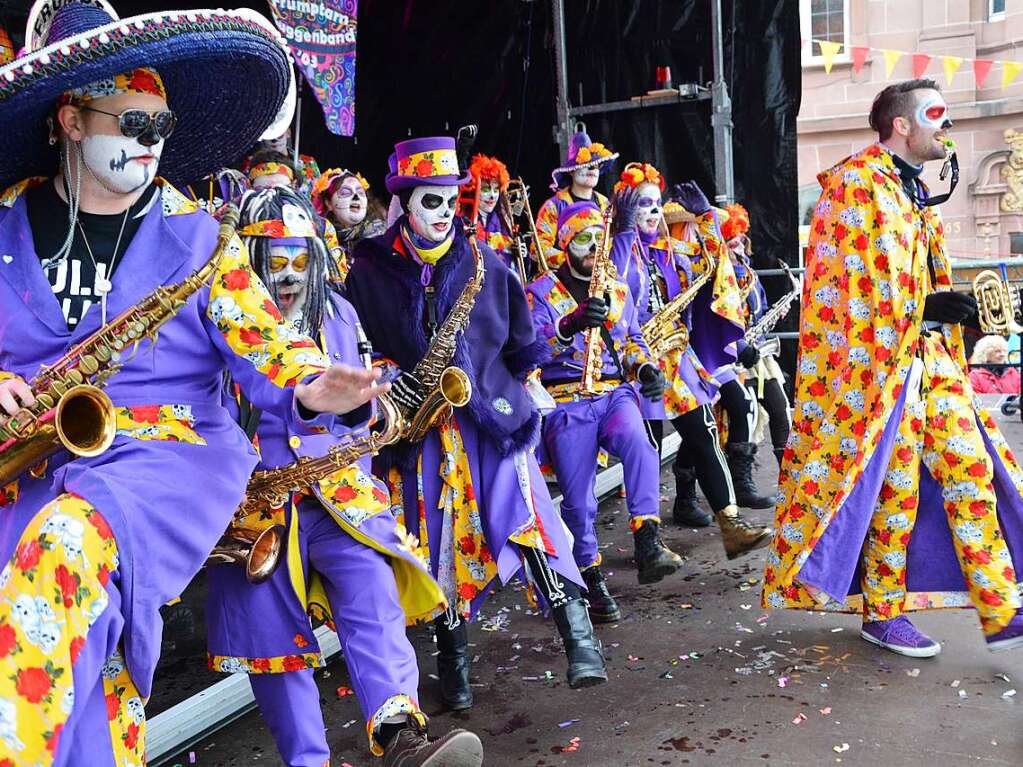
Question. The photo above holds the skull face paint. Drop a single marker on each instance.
(490, 193)
(582, 249)
(431, 211)
(648, 207)
(289, 271)
(932, 113)
(121, 164)
(349, 202)
(585, 179)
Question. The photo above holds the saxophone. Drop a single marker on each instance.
(998, 302)
(71, 409)
(766, 323)
(260, 551)
(601, 277)
(665, 330)
(446, 386)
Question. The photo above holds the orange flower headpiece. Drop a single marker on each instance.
(485, 168)
(737, 222)
(637, 173)
(327, 183)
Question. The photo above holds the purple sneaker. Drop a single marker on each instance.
(1009, 637)
(902, 637)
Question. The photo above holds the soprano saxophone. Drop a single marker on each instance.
(601, 277)
(771, 317)
(71, 409)
(260, 550)
(446, 385)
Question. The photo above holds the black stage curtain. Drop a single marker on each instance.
(428, 66)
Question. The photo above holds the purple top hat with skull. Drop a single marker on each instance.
(424, 161)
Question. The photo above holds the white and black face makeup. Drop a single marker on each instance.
(279, 144)
(931, 123)
(349, 202)
(431, 211)
(289, 270)
(490, 192)
(648, 207)
(119, 163)
(737, 247)
(586, 178)
(582, 250)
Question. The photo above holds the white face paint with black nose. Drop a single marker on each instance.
(431, 211)
(649, 208)
(349, 202)
(119, 163)
(490, 192)
(586, 177)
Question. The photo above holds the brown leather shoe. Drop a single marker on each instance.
(739, 536)
(411, 748)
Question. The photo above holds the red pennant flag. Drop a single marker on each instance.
(920, 62)
(981, 68)
(859, 57)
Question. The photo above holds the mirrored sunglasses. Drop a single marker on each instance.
(135, 122)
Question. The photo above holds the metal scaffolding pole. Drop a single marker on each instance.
(721, 117)
(563, 130)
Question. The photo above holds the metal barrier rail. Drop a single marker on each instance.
(182, 726)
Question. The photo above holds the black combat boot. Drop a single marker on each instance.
(585, 658)
(603, 607)
(653, 558)
(686, 512)
(453, 664)
(740, 466)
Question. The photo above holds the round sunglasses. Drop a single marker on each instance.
(135, 122)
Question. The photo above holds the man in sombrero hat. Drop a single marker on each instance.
(574, 181)
(94, 546)
(471, 491)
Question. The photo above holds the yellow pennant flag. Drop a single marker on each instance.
(891, 58)
(828, 52)
(951, 64)
(1009, 71)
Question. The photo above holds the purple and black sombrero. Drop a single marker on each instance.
(226, 75)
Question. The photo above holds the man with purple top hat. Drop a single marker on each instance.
(471, 491)
(95, 545)
(576, 180)
(346, 558)
(657, 268)
(608, 417)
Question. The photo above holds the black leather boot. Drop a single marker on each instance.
(740, 465)
(603, 607)
(685, 511)
(585, 658)
(453, 664)
(653, 558)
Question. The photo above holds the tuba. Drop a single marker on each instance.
(998, 302)
(446, 386)
(260, 550)
(71, 409)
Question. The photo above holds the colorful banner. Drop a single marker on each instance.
(321, 36)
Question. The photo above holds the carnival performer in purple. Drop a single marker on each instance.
(343, 199)
(493, 225)
(658, 268)
(609, 417)
(95, 545)
(574, 181)
(345, 553)
(472, 491)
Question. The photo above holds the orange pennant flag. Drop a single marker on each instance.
(1010, 69)
(829, 50)
(951, 65)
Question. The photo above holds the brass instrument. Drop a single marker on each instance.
(601, 277)
(665, 330)
(771, 317)
(504, 210)
(260, 551)
(998, 302)
(71, 409)
(517, 194)
(446, 386)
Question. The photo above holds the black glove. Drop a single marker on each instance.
(626, 209)
(691, 197)
(407, 391)
(651, 382)
(592, 313)
(463, 145)
(749, 356)
(949, 306)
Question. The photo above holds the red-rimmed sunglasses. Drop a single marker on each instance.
(136, 122)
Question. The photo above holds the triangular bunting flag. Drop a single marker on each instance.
(981, 68)
(829, 50)
(891, 58)
(920, 62)
(1009, 71)
(859, 57)
(951, 64)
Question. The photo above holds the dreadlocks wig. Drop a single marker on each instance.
(281, 216)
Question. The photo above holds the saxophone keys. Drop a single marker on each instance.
(89, 364)
(46, 401)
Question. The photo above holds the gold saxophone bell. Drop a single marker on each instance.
(259, 552)
(998, 302)
(85, 420)
(454, 389)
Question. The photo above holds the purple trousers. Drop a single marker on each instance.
(573, 435)
(370, 622)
